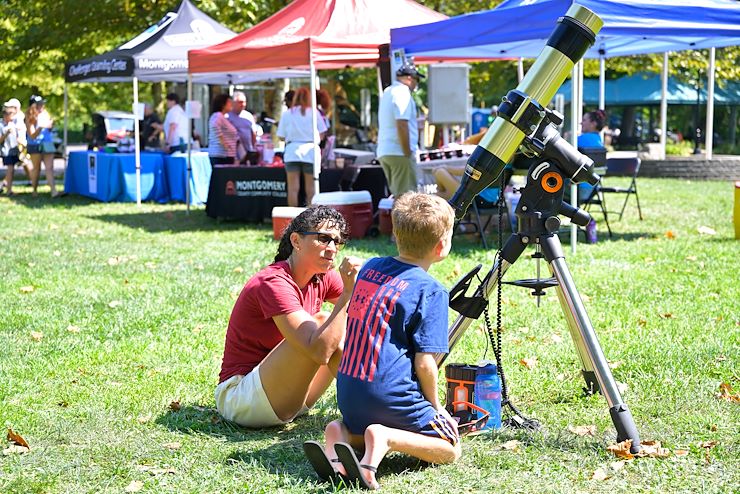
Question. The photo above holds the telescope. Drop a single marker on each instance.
(524, 123)
(523, 109)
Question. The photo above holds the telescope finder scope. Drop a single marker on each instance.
(523, 108)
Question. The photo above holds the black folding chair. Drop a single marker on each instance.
(474, 218)
(623, 167)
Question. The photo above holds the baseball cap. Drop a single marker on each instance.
(409, 69)
(13, 102)
(36, 99)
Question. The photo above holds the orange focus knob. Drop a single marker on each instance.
(552, 182)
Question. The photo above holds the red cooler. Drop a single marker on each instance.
(356, 207)
(385, 225)
(281, 218)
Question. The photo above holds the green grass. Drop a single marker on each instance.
(94, 404)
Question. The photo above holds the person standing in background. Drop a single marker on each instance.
(222, 135)
(398, 131)
(151, 127)
(246, 136)
(176, 125)
(40, 143)
(296, 127)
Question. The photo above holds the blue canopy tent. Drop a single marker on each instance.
(520, 28)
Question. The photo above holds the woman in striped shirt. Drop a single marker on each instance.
(222, 134)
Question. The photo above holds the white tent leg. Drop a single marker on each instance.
(316, 140)
(709, 133)
(664, 106)
(602, 91)
(520, 69)
(137, 153)
(575, 117)
(65, 154)
(190, 147)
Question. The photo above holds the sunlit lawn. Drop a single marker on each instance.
(110, 313)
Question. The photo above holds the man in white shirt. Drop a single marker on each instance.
(398, 131)
(175, 126)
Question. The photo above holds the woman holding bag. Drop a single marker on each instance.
(40, 143)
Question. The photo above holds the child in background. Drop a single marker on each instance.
(9, 137)
(387, 379)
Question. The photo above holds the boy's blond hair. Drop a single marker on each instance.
(420, 221)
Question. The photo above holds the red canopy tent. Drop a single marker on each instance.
(313, 34)
(327, 34)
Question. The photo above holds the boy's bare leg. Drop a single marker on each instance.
(9, 179)
(379, 440)
(337, 432)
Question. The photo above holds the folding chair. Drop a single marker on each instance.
(623, 167)
(477, 210)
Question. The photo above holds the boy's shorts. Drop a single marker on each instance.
(242, 399)
(440, 427)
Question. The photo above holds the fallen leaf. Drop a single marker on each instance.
(31, 264)
(653, 449)
(600, 474)
(725, 393)
(560, 377)
(199, 267)
(614, 365)
(713, 427)
(618, 465)
(642, 322)
(197, 329)
(666, 315)
(14, 449)
(73, 329)
(669, 234)
(512, 445)
(691, 258)
(529, 363)
(583, 430)
(705, 230)
(622, 387)
(37, 335)
(114, 261)
(238, 269)
(681, 452)
(150, 265)
(17, 439)
(134, 486)
(27, 289)
(143, 419)
(175, 405)
(156, 470)
(114, 303)
(57, 253)
(62, 404)
(172, 446)
(622, 450)
(708, 444)
(556, 338)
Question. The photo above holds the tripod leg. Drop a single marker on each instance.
(587, 343)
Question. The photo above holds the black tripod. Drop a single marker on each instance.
(538, 223)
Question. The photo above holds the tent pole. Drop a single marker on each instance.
(520, 69)
(575, 115)
(709, 133)
(602, 90)
(137, 152)
(190, 147)
(65, 155)
(664, 106)
(316, 140)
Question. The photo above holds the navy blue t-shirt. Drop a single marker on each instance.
(396, 310)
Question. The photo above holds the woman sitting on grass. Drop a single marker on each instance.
(281, 352)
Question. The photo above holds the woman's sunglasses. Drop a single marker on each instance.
(325, 239)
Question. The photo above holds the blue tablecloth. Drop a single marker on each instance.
(175, 167)
(112, 177)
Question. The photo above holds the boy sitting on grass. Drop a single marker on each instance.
(387, 379)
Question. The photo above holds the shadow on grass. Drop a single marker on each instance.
(44, 200)
(175, 221)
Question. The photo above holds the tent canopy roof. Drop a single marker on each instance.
(645, 90)
(329, 33)
(157, 54)
(519, 28)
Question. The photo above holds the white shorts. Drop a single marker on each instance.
(242, 399)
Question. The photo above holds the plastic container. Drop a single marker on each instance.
(281, 218)
(355, 206)
(385, 225)
(488, 393)
(460, 385)
(591, 236)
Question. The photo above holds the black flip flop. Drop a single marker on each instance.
(352, 465)
(320, 462)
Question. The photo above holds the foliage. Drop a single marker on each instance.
(113, 327)
(684, 148)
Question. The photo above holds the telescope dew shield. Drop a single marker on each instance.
(522, 109)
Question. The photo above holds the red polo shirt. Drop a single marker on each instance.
(252, 333)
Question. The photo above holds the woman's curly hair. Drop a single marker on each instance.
(308, 221)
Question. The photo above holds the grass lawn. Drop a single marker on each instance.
(110, 313)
